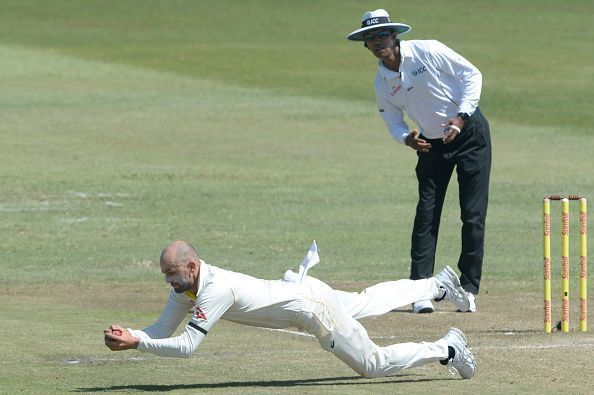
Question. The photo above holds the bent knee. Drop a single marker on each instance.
(371, 369)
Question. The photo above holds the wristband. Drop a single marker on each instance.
(457, 129)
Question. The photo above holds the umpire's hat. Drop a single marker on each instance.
(373, 20)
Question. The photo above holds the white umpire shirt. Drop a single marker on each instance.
(434, 83)
(222, 294)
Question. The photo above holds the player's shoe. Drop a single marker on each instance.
(291, 277)
(450, 283)
(472, 300)
(423, 307)
(463, 361)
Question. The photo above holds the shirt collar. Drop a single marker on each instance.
(405, 50)
(204, 268)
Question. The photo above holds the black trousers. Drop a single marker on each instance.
(470, 154)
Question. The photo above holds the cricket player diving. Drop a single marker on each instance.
(297, 301)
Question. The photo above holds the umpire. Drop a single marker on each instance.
(440, 91)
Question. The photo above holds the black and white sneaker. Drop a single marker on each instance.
(423, 307)
(462, 362)
(453, 291)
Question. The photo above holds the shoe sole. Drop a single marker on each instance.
(453, 276)
(470, 309)
(459, 333)
(424, 310)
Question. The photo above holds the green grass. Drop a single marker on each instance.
(124, 125)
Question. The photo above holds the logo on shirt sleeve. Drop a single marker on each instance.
(200, 314)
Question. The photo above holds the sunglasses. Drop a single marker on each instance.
(382, 35)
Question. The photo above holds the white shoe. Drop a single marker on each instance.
(291, 277)
(450, 283)
(463, 361)
(472, 300)
(422, 307)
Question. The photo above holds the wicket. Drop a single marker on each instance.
(583, 287)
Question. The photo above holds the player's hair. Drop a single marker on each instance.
(189, 252)
(182, 253)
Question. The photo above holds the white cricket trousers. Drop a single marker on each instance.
(327, 316)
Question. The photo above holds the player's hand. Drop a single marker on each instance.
(118, 338)
(416, 143)
(452, 129)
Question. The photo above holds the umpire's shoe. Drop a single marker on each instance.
(423, 307)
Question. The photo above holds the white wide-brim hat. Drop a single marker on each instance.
(375, 19)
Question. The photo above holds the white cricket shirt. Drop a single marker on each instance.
(434, 83)
(222, 294)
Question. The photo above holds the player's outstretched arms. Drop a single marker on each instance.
(118, 338)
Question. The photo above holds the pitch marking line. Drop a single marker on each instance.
(536, 346)
(296, 333)
(526, 347)
(93, 360)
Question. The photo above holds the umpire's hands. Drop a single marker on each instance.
(118, 338)
(452, 129)
(416, 143)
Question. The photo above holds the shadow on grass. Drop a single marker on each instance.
(353, 380)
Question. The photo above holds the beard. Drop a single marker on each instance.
(183, 286)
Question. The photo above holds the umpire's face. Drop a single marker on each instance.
(381, 42)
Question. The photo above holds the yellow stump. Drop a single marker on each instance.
(583, 327)
(565, 265)
(546, 243)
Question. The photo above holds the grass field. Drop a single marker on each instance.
(250, 129)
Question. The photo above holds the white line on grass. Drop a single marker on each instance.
(296, 333)
(535, 346)
(73, 220)
(517, 347)
(34, 207)
(94, 360)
